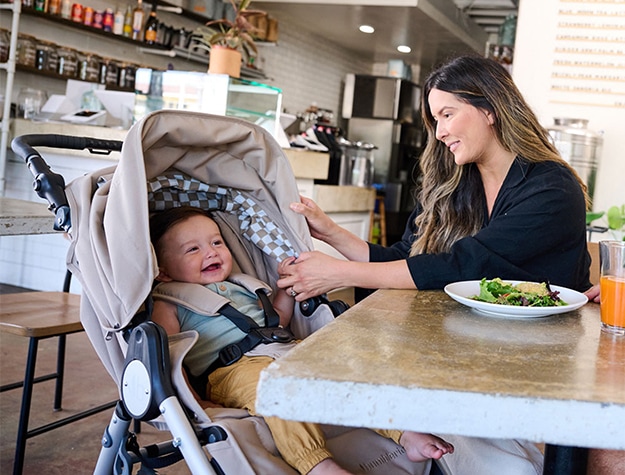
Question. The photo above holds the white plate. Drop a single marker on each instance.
(462, 291)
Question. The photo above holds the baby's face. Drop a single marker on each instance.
(194, 251)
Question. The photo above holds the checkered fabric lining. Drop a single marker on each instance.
(177, 189)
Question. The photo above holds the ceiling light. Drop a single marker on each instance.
(366, 28)
(404, 49)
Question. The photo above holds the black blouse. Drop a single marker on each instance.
(536, 232)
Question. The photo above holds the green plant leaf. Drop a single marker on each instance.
(616, 217)
(592, 215)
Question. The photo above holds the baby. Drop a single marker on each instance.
(190, 248)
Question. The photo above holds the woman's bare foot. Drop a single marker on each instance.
(420, 447)
(328, 467)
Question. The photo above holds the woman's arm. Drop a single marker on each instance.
(315, 273)
(322, 227)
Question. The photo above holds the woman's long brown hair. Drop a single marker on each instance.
(452, 196)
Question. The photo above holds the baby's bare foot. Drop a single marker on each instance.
(420, 447)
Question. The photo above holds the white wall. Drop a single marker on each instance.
(584, 41)
(308, 69)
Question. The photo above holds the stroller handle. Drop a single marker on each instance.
(49, 185)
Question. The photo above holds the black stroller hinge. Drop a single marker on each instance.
(213, 434)
(148, 346)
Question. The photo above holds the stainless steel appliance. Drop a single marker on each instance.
(385, 111)
(579, 146)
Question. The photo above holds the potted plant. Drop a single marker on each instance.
(228, 41)
(615, 218)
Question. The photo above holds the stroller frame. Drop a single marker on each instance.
(149, 370)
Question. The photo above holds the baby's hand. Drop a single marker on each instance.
(282, 266)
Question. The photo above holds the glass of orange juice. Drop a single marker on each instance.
(612, 263)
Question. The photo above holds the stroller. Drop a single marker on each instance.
(238, 171)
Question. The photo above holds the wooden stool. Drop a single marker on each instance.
(593, 250)
(378, 217)
(40, 315)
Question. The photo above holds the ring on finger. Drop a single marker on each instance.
(292, 292)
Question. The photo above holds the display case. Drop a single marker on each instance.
(211, 93)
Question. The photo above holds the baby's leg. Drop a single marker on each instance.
(328, 467)
(420, 446)
(301, 445)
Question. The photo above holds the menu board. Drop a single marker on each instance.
(588, 60)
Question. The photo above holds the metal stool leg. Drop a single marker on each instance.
(22, 428)
(60, 373)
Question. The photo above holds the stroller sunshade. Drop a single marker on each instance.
(176, 189)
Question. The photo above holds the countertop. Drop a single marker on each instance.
(18, 217)
(417, 360)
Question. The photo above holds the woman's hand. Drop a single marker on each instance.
(320, 224)
(310, 275)
(325, 229)
(593, 294)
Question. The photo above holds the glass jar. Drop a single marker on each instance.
(26, 51)
(112, 71)
(126, 76)
(29, 102)
(46, 57)
(88, 67)
(103, 70)
(53, 57)
(68, 62)
(5, 42)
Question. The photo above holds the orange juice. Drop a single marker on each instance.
(613, 301)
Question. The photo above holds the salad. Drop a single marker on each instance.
(525, 294)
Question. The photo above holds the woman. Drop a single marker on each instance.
(497, 200)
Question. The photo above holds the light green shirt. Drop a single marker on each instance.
(218, 331)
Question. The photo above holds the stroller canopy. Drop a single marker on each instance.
(167, 158)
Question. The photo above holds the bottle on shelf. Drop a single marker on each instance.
(138, 15)
(41, 6)
(118, 22)
(54, 7)
(108, 20)
(127, 31)
(151, 27)
(66, 9)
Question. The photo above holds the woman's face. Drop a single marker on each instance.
(194, 251)
(464, 129)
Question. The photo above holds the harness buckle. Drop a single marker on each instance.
(274, 335)
(230, 354)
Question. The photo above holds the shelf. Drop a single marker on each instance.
(52, 75)
(74, 24)
(183, 53)
(175, 52)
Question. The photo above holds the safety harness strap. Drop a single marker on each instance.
(255, 335)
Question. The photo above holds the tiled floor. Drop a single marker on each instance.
(73, 448)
